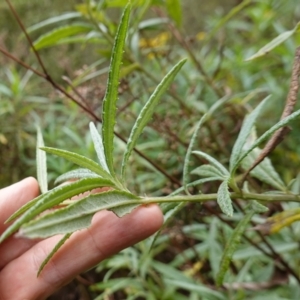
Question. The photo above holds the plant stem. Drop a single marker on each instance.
(235, 195)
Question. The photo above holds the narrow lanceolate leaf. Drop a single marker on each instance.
(208, 171)
(41, 163)
(53, 198)
(80, 160)
(224, 200)
(147, 112)
(244, 133)
(79, 215)
(266, 135)
(265, 171)
(203, 119)
(24, 208)
(275, 42)
(98, 145)
(53, 251)
(111, 95)
(76, 174)
(231, 246)
(53, 37)
(213, 161)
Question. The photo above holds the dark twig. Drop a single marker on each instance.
(12, 9)
(290, 103)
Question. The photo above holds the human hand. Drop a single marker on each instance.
(21, 258)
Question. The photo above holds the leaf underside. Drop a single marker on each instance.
(53, 198)
(78, 215)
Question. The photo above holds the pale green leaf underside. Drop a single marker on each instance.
(111, 95)
(208, 171)
(147, 112)
(79, 215)
(213, 161)
(224, 200)
(274, 43)
(244, 133)
(53, 251)
(76, 174)
(79, 160)
(266, 135)
(53, 198)
(203, 119)
(98, 145)
(41, 161)
(231, 246)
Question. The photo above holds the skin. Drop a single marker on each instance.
(20, 258)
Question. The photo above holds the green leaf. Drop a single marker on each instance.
(203, 119)
(53, 198)
(213, 161)
(231, 246)
(175, 11)
(41, 162)
(53, 37)
(147, 111)
(244, 133)
(274, 43)
(53, 20)
(53, 251)
(111, 95)
(98, 145)
(208, 171)
(224, 200)
(265, 171)
(79, 160)
(76, 174)
(24, 208)
(266, 135)
(79, 215)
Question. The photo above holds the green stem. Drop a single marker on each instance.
(234, 195)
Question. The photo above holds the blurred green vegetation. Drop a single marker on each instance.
(217, 38)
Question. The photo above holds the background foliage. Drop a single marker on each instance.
(185, 260)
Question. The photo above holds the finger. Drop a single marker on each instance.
(107, 235)
(14, 196)
(11, 199)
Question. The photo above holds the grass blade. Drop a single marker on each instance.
(111, 95)
(79, 215)
(53, 251)
(245, 132)
(41, 161)
(275, 42)
(147, 111)
(80, 160)
(231, 246)
(98, 145)
(53, 198)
